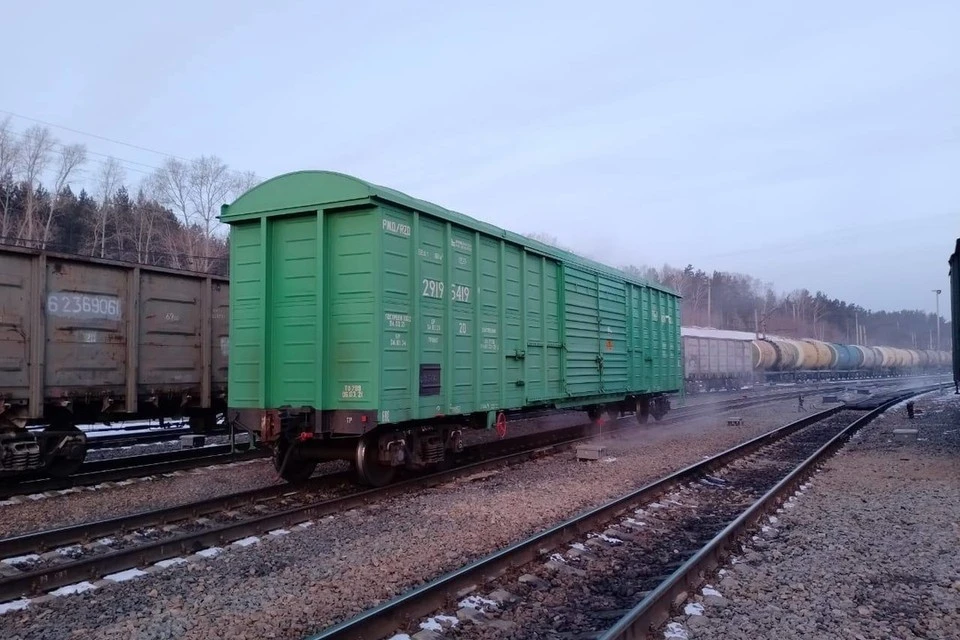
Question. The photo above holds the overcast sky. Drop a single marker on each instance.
(811, 143)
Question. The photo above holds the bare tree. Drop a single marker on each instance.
(9, 160)
(35, 150)
(244, 181)
(111, 177)
(194, 192)
(211, 184)
(72, 157)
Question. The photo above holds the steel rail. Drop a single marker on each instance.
(40, 541)
(643, 620)
(93, 567)
(400, 611)
(487, 455)
(127, 467)
(384, 619)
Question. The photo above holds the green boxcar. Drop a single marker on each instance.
(372, 326)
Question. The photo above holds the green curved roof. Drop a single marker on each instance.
(322, 189)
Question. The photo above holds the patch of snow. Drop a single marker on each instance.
(765, 529)
(36, 496)
(68, 551)
(279, 532)
(710, 591)
(14, 605)
(693, 609)
(170, 562)
(635, 523)
(306, 525)
(123, 576)
(675, 631)
(70, 589)
(774, 519)
(431, 625)
(578, 546)
(723, 572)
(478, 603)
(556, 557)
(210, 552)
(105, 541)
(605, 538)
(27, 559)
(609, 459)
(452, 620)
(400, 636)
(9, 502)
(246, 542)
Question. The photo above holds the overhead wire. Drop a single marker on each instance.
(112, 141)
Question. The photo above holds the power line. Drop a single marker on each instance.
(23, 136)
(93, 135)
(113, 141)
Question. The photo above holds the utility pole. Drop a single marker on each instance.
(709, 314)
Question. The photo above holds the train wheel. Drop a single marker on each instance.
(370, 470)
(643, 411)
(73, 452)
(594, 412)
(289, 464)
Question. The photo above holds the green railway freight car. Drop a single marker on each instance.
(370, 326)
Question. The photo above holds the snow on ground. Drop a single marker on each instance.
(14, 605)
(123, 576)
(70, 589)
(478, 602)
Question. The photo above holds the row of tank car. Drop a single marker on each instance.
(728, 360)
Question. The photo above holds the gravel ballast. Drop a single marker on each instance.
(870, 550)
(288, 585)
(116, 499)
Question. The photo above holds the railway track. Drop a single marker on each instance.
(125, 468)
(618, 570)
(128, 467)
(55, 558)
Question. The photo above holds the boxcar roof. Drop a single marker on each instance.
(305, 189)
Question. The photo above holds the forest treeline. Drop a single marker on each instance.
(739, 302)
(169, 218)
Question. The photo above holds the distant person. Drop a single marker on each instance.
(800, 403)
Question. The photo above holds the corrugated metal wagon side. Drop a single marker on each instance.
(717, 363)
(371, 326)
(85, 340)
